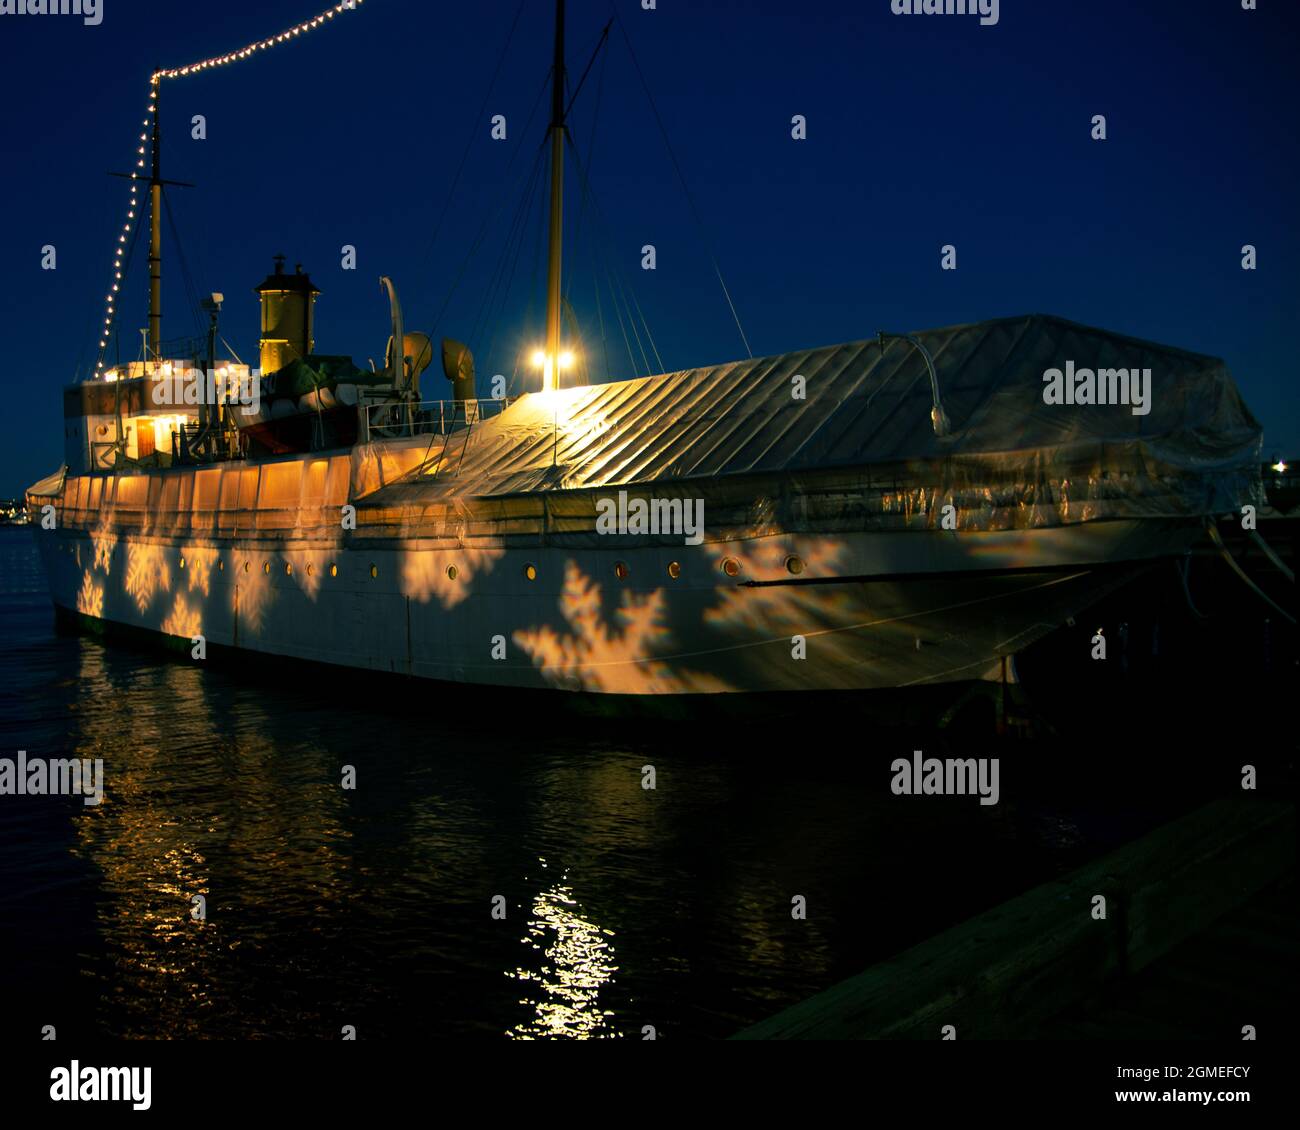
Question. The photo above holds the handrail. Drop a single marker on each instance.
(427, 417)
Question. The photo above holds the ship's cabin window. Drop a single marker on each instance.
(452, 572)
(266, 567)
(374, 571)
(731, 567)
(334, 570)
(621, 570)
(311, 569)
(674, 569)
(182, 562)
(794, 565)
(530, 572)
(288, 569)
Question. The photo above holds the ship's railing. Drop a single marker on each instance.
(394, 420)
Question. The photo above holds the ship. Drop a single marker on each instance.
(904, 510)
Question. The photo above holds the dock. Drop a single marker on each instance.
(1198, 940)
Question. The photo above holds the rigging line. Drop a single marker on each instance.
(522, 211)
(501, 300)
(503, 283)
(627, 288)
(201, 273)
(186, 279)
(600, 313)
(505, 196)
(618, 310)
(487, 299)
(597, 251)
(690, 200)
(589, 197)
(130, 251)
(591, 148)
(469, 143)
(622, 286)
(604, 35)
(600, 319)
(659, 361)
(503, 295)
(533, 291)
(237, 359)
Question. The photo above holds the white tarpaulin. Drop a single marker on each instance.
(860, 421)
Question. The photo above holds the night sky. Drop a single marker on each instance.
(922, 131)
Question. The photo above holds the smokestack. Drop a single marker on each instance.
(288, 317)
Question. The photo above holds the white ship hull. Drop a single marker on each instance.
(868, 611)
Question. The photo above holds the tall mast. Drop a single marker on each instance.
(155, 233)
(551, 368)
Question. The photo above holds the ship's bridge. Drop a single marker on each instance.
(141, 412)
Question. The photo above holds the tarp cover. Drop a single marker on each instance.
(865, 415)
(304, 375)
(49, 487)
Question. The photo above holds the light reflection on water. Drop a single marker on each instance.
(327, 907)
(562, 989)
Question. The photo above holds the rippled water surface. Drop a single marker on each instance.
(373, 907)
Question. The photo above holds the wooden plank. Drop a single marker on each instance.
(1002, 972)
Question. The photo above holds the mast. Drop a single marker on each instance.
(551, 367)
(155, 234)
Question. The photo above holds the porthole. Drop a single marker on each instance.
(182, 562)
(221, 566)
(266, 567)
(731, 567)
(794, 565)
(621, 570)
(530, 572)
(452, 572)
(334, 570)
(374, 571)
(674, 569)
(288, 569)
(245, 566)
(311, 569)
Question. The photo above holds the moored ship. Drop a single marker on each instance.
(898, 511)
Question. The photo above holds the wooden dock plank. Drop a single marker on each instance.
(1005, 972)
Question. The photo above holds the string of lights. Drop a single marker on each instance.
(265, 44)
(138, 175)
(137, 178)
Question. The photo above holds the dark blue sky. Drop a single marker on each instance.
(922, 131)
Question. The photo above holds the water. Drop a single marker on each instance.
(371, 907)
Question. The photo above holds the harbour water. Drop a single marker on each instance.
(372, 907)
